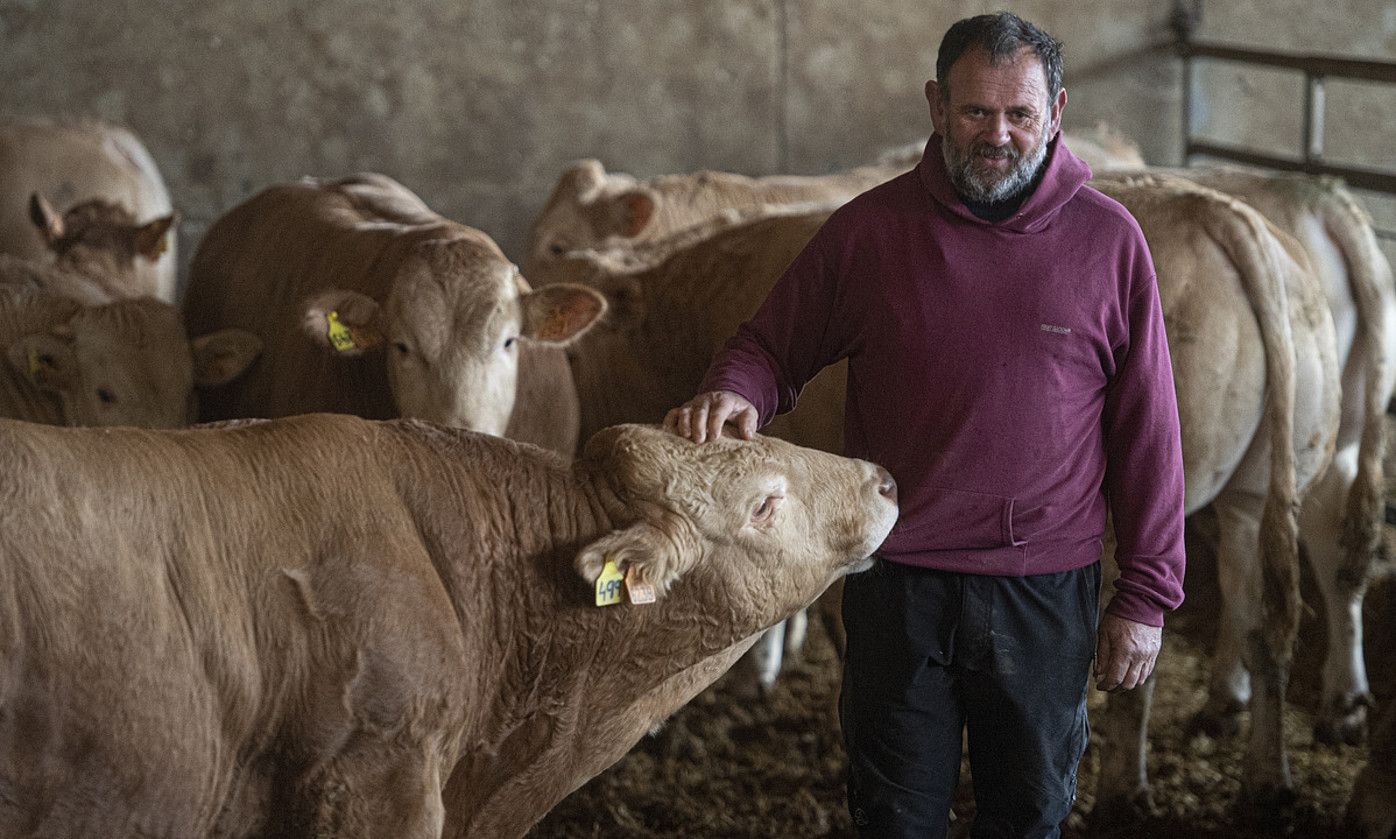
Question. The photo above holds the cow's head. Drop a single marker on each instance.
(587, 208)
(450, 328)
(101, 239)
(768, 523)
(128, 363)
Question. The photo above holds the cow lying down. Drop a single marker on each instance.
(324, 625)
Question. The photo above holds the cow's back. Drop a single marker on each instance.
(187, 629)
(259, 263)
(69, 163)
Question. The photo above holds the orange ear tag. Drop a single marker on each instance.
(160, 248)
(608, 585)
(639, 592)
(340, 336)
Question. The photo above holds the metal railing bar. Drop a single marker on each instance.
(1355, 176)
(1321, 65)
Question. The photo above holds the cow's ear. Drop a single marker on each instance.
(45, 359)
(581, 180)
(630, 212)
(559, 314)
(344, 322)
(659, 552)
(150, 238)
(220, 357)
(48, 220)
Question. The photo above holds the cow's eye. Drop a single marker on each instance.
(766, 510)
(557, 249)
(401, 347)
(106, 396)
(509, 342)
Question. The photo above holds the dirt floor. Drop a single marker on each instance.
(730, 767)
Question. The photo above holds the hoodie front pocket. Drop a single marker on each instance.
(956, 519)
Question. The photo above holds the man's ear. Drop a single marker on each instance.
(220, 357)
(1055, 111)
(628, 214)
(150, 241)
(936, 105)
(660, 552)
(45, 359)
(48, 220)
(345, 322)
(559, 314)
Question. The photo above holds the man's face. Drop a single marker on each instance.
(996, 122)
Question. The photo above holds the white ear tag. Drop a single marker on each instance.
(639, 592)
(608, 584)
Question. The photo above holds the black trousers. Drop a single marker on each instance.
(933, 652)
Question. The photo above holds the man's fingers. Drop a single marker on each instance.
(717, 417)
(700, 422)
(747, 424)
(671, 421)
(1135, 677)
(1102, 653)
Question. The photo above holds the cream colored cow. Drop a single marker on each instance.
(1341, 518)
(324, 626)
(1249, 332)
(369, 303)
(591, 208)
(123, 362)
(73, 163)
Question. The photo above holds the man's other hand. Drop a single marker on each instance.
(701, 418)
(1125, 652)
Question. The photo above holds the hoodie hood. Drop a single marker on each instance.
(1065, 174)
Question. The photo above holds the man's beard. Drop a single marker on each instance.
(991, 187)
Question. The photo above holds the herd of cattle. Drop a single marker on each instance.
(323, 624)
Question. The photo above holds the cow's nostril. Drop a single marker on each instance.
(886, 486)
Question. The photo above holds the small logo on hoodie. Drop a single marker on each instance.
(1060, 330)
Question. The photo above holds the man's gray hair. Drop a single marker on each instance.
(1003, 34)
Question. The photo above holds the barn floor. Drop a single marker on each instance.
(728, 767)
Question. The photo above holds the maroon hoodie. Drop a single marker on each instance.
(1012, 376)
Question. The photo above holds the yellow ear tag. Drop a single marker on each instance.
(33, 362)
(639, 592)
(341, 338)
(160, 248)
(608, 584)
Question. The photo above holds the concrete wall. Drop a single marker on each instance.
(477, 104)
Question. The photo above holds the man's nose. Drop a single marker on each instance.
(996, 132)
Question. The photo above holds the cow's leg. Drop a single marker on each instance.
(1122, 791)
(756, 672)
(1229, 690)
(1266, 778)
(375, 788)
(1342, 714)
(796, 628)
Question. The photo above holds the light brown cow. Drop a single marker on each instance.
(329, 626)
(1341, 518)
(1252, 349)
(591, 208)
(103, 242)
(126, 362)
(70, 163)
(369, 303)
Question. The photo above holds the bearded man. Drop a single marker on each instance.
(1007, 364)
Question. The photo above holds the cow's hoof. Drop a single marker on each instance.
(1269, 806)
(1218, 724)
(1344, 724)
(1120, 814)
